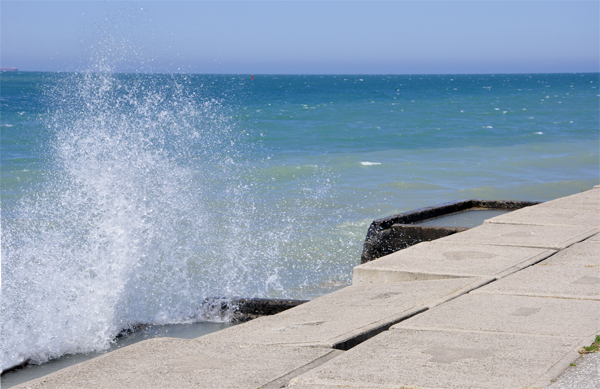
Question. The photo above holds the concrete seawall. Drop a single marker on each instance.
(504, 305)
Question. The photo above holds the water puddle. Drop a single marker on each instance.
(470, 218)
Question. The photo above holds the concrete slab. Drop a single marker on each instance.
(547, 280)
(549, 216)
(585, 200)
(550, 237)
(181, 363)
(351, 314)
(585, 254)
(441, 359)
(444, 259)
(514, 314)
(595, 238)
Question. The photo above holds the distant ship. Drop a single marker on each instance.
(9, 70)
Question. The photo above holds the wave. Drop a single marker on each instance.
(117, 232)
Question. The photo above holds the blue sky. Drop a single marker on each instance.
(303, 37)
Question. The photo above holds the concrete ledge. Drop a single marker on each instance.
(548, 237)
(281, 382)
(513, 314)
(571, 274)
(584, 375)
(347, 317)
(401, 236)
(548, 216)
(244, 309)
(396, 232)
(179, 363)
(442, 259)
(560, 366)
(442, 359)
(588, 200)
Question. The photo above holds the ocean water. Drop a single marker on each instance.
(131, 199)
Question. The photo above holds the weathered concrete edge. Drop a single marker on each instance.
(378, 241)
(426, 213)
(561, 246)
(578, 238)
(545, 295)
(476, 284)
(282, 381)
(527, 263)
(264, 306)
(354, 338)
(559, 367)
(401, 236)
(359, 274)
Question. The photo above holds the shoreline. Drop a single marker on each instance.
(238, 310)
(485, 295)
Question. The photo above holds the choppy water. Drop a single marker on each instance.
(131, 198)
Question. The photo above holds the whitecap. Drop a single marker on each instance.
(370, 163)
(538, 133)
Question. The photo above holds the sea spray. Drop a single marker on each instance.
(117, 232)
(152, 198)
(131, 198)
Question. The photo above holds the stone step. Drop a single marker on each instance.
(442, 259)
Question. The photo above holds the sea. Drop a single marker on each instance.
(134, 199)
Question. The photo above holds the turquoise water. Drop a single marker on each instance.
(130, 198)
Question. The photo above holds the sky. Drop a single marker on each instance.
(302, 37)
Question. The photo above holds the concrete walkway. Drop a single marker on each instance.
(504, 305)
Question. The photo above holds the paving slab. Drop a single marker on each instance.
(408, 358)
(551, 279)
(514, 314)
(589, 200)
(549, 216)
(354, 312)
(550, 237)
(571, 273)
(444, 259)
(586, 254)
(182, 363)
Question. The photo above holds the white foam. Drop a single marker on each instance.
(370, 163)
